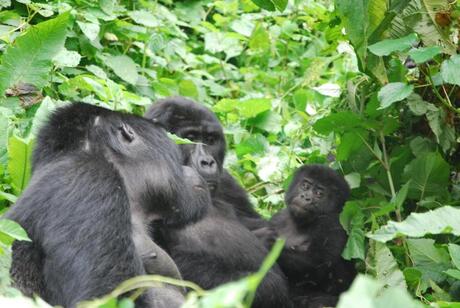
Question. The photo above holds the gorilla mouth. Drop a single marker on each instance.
(199, 187)
(212, 185)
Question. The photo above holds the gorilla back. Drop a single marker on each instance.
(75, 221)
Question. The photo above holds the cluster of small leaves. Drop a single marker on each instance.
(370, 87)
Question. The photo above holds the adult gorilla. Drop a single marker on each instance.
(99, 177)
(188, 119)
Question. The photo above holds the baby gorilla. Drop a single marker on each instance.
(310, 225)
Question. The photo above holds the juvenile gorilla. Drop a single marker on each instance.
(107, 176)
(216, 250)
(311, 258)
(188, 119)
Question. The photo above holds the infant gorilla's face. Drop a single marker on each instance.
(308, 198)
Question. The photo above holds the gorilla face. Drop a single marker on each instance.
(316, 190)
(190, 120)
(308, 199)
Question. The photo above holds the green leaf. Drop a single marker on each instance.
(394, 92)
(89, 29)
(454, 251)
(179, 140)
(429, 176)
(418, 106)
(260, 40)
(188, 88)
(265, 4)
(453, 273)
(386, 47)
(430, 260)
(29, 59)
(254, 144)
(6, 196)
(349, 144)
(355, 247)
(442, 220)
(252, 107)
(67, 58)
(385, 266)
(366, 292)
(449, 70)
(352, 220)
(337, 122)
(269, 121)
(424, 54)
(124, 67)
(13, 229)
(19, 164)
(144, 18)
(280, 4)
(41, 116)
(400, 197)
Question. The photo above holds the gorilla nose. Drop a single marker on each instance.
(207, 165)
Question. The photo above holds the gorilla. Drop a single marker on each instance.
(107, 175)
(216, 250)
(311, 258)
(193, 121)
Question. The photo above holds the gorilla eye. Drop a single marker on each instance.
(305, 185)
(191, 136)
(209, 139)
(319, 193)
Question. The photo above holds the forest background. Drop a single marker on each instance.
(369, 87)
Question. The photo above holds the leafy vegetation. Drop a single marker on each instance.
(370, 87)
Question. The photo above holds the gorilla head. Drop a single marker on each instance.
(190, 120)
(147, 161)
(316, 190)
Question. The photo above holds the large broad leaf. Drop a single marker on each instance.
(386, 47)
(449, 70)
(429, 176)
(421, 55)
(428, 259)
(29, 59)
(384, 265)
(19, 164)
(445, 219)
(124, 67)
(337, 122)
(394, 92)
(365, 292)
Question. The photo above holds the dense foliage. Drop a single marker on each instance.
(371, 88)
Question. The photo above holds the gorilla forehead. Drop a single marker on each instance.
(180, 112)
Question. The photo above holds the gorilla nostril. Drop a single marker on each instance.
(207, 163)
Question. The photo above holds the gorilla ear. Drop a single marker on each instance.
(127, 132)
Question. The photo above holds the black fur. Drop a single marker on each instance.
(188, 119)
(106, 175)
(216, 250)
(314, 237)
